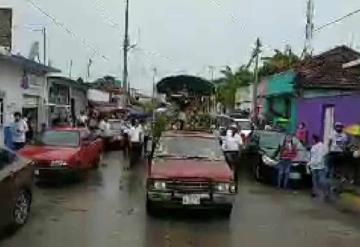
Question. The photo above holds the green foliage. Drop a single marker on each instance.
(148, 107)
(230, 82)
(159, 126)
(279, 62)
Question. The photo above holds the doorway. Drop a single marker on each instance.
(328, 123)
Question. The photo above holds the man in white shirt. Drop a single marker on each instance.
(317, 167)
(231, 147)
(19, 128)
(135, 134)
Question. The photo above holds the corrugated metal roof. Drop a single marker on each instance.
(28, 64)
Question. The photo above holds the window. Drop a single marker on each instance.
(1, 111)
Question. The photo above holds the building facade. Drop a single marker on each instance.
(22, 89)
(66, 98)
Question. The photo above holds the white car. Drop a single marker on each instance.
(244, 124)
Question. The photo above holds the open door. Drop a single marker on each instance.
(328, 124)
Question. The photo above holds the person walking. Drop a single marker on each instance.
(19, 129)
(288, 152)
(317, 167)
(135, 137)
(182, 119)
(302, 134)
(231, 148)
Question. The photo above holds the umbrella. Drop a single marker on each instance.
(353, 130)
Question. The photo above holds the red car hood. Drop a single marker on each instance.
(48, 153)
(195, 169)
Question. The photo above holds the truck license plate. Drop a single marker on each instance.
(36, 172)
(191, 199)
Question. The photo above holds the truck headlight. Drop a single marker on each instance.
(225, 187)
(58, 163)
(159, 185)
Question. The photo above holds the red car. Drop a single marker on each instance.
(189, 171)
(64, 150)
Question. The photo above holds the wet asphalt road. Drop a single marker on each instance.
(108, 209)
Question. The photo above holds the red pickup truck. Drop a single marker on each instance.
(61, 151)
(188, 171)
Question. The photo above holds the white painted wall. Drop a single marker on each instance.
(243, 97)
(10, 83)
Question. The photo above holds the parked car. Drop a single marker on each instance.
(244, 124)
(16, 175)
(62, 151)
(115, 140)
(262, 149)
(189, 171)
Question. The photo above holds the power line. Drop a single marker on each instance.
(66, 29)
(337, 20)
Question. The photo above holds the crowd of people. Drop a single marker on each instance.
(325, 162)
(135, 132)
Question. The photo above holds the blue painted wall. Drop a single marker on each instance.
(279, 87)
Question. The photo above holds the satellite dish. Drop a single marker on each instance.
(34, 51)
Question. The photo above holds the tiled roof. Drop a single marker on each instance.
(28, 64)
(326, 70)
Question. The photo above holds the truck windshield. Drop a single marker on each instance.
(189, 147)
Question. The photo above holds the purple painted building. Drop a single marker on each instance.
(313, 112)
(328, 92)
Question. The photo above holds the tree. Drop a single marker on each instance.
(279, 62)
(230, 83)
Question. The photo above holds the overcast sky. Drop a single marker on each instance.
(175, 36)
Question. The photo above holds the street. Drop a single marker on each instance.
(108, 209)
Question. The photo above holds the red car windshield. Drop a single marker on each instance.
(60, 138)
(189, 147)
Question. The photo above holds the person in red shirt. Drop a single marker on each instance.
(302, 133)
(288, 152)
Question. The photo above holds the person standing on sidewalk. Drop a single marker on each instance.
(19, 129)
(337, 144)
(302, 134)
(288, 152)
(317, 167)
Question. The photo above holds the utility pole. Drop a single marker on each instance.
(154, 84)
(309, 29)
(256, 54)
(125, 50)
(213, 101)
(44, 43)
(70, 68)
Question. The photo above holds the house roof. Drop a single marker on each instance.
(326, 70)
(69, 81)
(28, 64)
